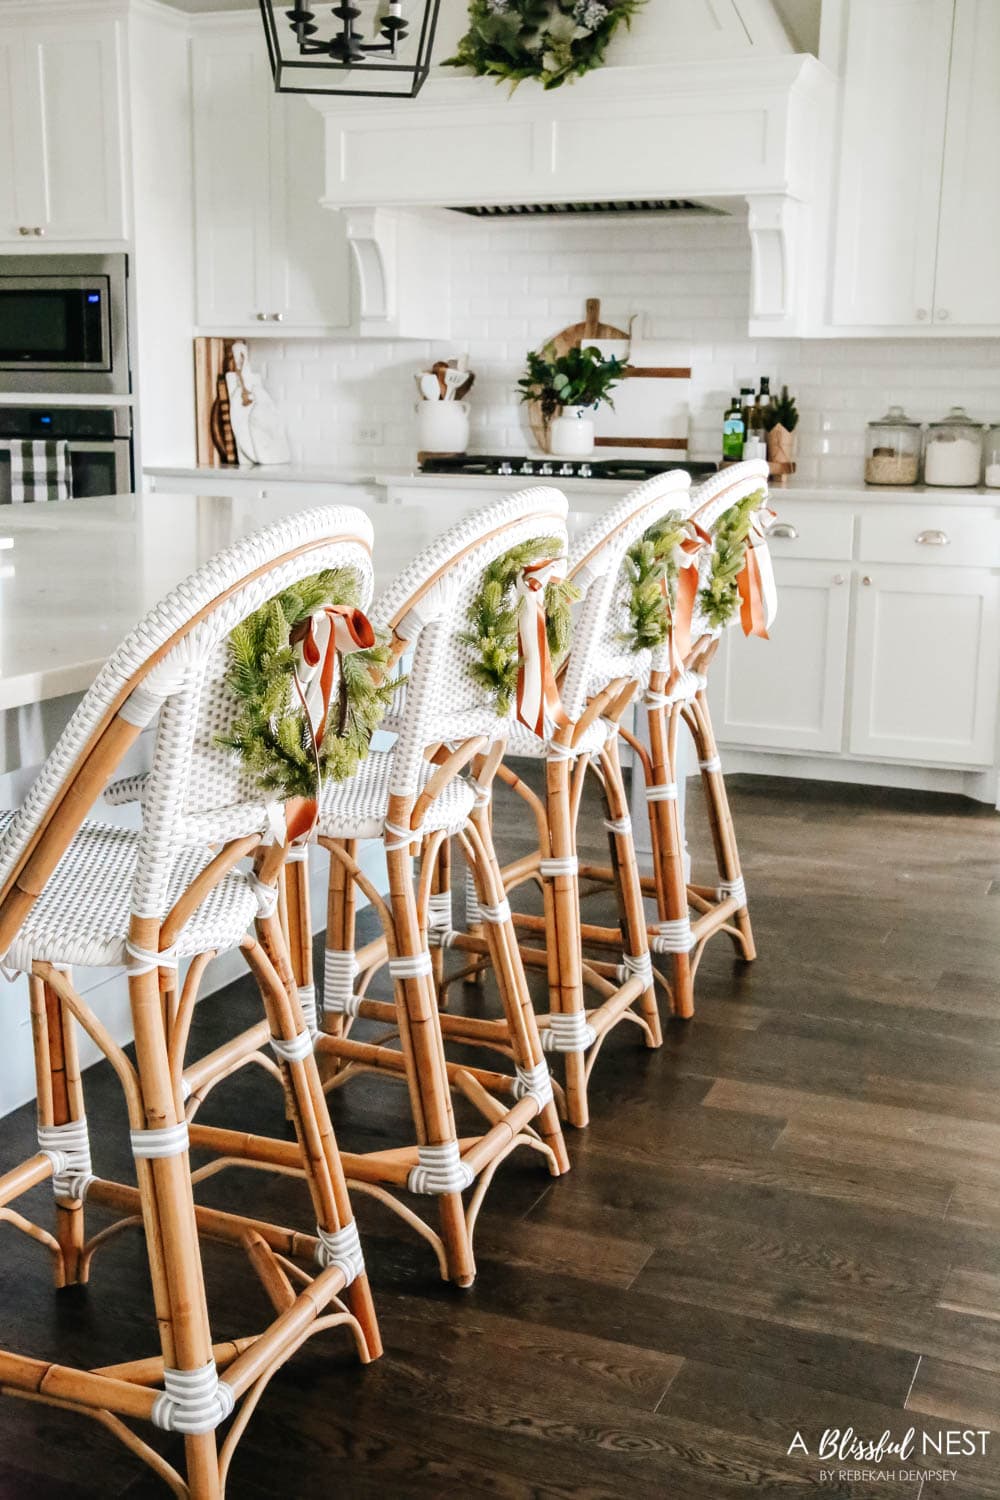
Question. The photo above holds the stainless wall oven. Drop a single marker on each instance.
(64, 325)
(99, 439)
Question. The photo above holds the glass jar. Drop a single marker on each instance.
(892, 449)
(954, 451)
(991, 456)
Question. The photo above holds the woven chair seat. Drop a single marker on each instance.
(82, 916)
(591, 742)
(356, 808)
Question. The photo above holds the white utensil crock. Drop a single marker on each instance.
(571, 434)
(442, 426)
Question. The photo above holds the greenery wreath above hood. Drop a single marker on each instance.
(550, 40)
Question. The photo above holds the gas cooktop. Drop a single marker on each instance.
(558, 468)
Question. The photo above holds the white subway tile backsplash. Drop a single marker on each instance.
(687, 286)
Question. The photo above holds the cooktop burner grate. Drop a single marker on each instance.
(635, 469)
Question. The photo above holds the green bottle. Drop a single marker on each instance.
(733, 431)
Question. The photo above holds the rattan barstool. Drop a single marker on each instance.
(78, 894)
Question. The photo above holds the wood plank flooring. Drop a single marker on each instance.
(787, 1220)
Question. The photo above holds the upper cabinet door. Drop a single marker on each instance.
(892, 145)
(231, 173)
(310, 258)
(17, 213)
(968, 283)
(72, 76)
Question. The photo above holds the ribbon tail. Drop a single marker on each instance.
(752, 610)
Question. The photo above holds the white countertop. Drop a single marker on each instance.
(292, 473)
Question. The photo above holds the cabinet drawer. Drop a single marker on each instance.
(931, 534)
(814, 531)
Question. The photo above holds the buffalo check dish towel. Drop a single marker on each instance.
(39, 470)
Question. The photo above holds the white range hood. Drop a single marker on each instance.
(738, 122)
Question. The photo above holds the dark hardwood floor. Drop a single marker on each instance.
(787, 1220)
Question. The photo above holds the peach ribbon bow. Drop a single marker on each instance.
(758, 594)
(538, 704)
(335, 630)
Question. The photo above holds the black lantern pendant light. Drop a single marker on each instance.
(324, 52)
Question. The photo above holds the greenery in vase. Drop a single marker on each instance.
(550, 40)
(782, 412)
(580, 377)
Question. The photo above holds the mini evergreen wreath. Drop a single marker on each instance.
(492, 617)
(550, 40)
(270, 735)
(649, 561)
(720, 600)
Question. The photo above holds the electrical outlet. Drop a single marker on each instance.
(371, 434)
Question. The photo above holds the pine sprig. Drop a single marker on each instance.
(551, 40)
(719, 600)
(270, 734)
(492, 617)
(650, 561)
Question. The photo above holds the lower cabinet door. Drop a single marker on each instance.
(787, 693)
(926, 661)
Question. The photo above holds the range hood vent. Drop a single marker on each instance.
(672, 206)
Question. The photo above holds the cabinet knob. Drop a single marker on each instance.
(933, 538)
(921, 315)
(784, 530)
(23, 229)
(40, 233)
(867, 581)
(262, 317)
(838, 579)
(942, 314)
(277, 317)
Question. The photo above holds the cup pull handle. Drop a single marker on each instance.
(933, 538)
(784, 530)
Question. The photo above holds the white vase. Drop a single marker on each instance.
(571, 434)
(442, 427)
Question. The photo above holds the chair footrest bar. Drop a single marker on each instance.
(80, 1387)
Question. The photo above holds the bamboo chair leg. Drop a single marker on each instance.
(505, 956)
(423, 1047)
(628, 887)
(320, 1156)
(562, 910)
(664, 726)
(720, 819)
(298, 926)
(338, 968)
(440, 919)
(60, 1103)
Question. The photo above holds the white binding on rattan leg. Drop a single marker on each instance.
(397, 837)
(675, 936)
(193, 1401)
(172, 1140)
(637, 963)
(537, 1082)
(297, 1050)
(307, 1003)
(735, 889)
(483, 794)
(297, 854)
(569, 1032)
(619, 825)
(472, 917)
(665, 792)
(68, 1149)
(712, 764)
(556, 750)
(145, 961)
(410, 966)
(341, 1248)
(440, 1169)
(440, 932)
(265, 895)
(550, 868)
(339, 969)
(496, 915)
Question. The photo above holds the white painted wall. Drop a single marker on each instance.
(687, 283)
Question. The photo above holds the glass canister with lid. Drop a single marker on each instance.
(991, 456)
(954, 451)
(892, 449)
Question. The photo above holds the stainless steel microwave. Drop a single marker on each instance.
(64, 324)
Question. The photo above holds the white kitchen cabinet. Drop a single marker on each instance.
(62, 144)
(788, 692)
(270, 259)
(926, 662)
(918, 206)
(967, 291)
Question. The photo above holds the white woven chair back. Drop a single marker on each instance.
(174, 663)
(600, 653)
(710, 502)
(428, 605)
